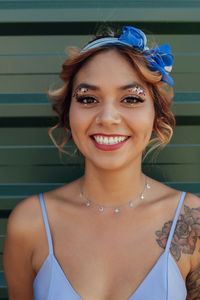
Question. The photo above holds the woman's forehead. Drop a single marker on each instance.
(109, 66)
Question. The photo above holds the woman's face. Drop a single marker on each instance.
(111, 113)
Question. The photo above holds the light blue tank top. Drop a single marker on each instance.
(163, 282)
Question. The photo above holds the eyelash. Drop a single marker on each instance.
(133, 100)
(85, 99)
(91, 100)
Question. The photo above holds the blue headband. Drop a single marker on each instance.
(160, 58)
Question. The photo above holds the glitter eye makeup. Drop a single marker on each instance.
(80, 91)
(137, 90)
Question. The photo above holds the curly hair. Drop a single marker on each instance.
(160, 92)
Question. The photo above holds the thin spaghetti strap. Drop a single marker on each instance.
(178, 210)
(44, 213)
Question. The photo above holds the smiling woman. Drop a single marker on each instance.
(126, 234)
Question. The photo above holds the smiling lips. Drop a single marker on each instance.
(108, 142)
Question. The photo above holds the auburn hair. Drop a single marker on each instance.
(160, 92)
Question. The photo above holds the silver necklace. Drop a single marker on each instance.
(116, 209)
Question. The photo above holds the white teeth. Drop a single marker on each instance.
(109, 140)
(116, 140)
(105, 141)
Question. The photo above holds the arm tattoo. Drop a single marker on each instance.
(193, 284)
(186, 233)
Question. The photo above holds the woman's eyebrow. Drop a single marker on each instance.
(87, 86)
(96, 88)
(131, 85)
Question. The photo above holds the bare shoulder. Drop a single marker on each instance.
(23, 222)
(164, 193)
(192, 200)
(23, 215)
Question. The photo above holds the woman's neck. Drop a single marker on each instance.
(110, 187)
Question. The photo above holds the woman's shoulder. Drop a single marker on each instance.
(27, 214)
(165, 191)
(24, 217)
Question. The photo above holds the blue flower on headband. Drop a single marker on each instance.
(160, 58)
(134, 37)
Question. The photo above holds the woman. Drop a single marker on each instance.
(113, 233)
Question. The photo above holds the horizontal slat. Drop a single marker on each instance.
(101, 14)
(40, 174)
(34, 4)
(55, 45)
(173, 172)
(39, 156)
(32, 64)
(3, 291)
(17, 192)
(38, 136)
(27, 83)
(2, 230)
(14, 156)
(41, 82)
(2, 237)
(38, 45)
(52, 63)
(25, 136)
(56, 174)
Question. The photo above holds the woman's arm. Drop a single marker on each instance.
(193, 278)
(18, 250)
(193, 284)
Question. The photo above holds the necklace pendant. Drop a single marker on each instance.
(116, 210)
(142, 196)
(88, 203)
(131, 203)
(148, 186)
(101, 209)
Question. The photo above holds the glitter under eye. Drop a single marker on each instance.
(137, 90)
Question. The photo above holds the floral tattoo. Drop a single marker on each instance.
(186, 233)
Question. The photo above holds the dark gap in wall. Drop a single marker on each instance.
(87, 28)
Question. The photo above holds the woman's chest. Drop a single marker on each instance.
(103, 261)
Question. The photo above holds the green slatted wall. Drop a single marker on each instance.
(33, 37)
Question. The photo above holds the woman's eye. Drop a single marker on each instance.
(86, 100)
(132, 100)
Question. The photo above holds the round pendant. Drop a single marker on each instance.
(88, 203)
(101, 208)
(116, 210)
(131, 203)
(142, 196)
(148, 186)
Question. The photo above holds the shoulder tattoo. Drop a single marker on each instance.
(186, 233)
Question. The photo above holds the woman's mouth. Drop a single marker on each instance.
(108, 143)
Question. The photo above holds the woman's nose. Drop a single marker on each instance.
(108, 115)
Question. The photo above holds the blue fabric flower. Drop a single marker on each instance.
(160, 58)
(134, 37)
